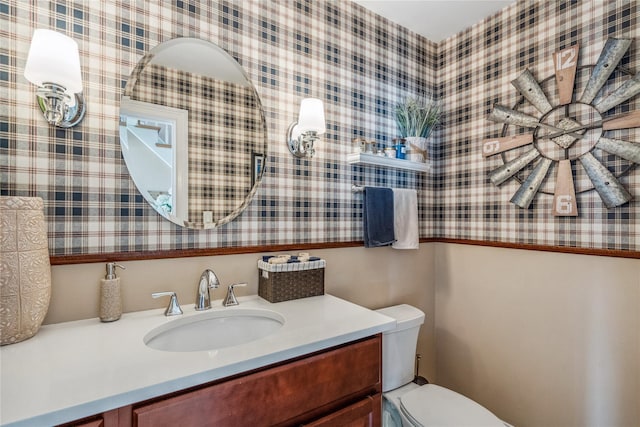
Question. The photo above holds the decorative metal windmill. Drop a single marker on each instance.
(572, 128)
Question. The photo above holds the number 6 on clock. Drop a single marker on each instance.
(564, 199)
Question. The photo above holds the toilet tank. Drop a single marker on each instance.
(399, 345)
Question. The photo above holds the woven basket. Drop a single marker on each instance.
(277, 286)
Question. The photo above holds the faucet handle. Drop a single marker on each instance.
(231, 296)
(173, 309)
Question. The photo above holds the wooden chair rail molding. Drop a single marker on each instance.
(185, 253)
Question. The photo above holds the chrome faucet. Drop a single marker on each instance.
(231, 296)
(208, 280)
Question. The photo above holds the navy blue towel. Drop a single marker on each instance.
(378, 217)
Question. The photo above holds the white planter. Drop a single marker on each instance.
(417, 147)
(25, 272)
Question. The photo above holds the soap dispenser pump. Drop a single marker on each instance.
(110, 295)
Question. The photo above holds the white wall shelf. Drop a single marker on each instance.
(372, 159)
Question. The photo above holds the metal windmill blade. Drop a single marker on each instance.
(624, 149)
(502, 114)
(509, 169)
(630, 88)
(612, 53)
(531, 90)
(611, 192)
(530, 186)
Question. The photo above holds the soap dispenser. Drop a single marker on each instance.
(110, 295)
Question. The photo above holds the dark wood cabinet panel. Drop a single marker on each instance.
(365, 413)
(337, 387)
(273, 396)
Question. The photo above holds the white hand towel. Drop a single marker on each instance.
(405, 219)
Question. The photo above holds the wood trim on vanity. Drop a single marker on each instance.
(186, 253)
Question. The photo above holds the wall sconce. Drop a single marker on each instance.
(53, 64)
(303, 133)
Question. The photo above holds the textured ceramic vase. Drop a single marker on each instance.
(25, 272)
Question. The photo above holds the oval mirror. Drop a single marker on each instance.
(192, 133)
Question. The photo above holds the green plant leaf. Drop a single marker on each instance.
(417, 116)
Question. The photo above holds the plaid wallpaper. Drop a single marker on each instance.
(475, 70)
(360, 65)
(357, 62)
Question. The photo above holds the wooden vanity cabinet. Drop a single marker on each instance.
(340, 386)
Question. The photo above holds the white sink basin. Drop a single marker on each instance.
(213, 330)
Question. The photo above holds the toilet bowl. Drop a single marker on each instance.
(408, 404)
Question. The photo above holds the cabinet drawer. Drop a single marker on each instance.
(275, 395)
(365, 413)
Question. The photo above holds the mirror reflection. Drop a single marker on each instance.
(193, 133)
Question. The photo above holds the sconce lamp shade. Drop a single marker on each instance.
(54, 58)
(311, 116)
(303, 133)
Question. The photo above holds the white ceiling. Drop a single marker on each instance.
(435, 19)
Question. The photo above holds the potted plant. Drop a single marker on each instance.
(416, 118)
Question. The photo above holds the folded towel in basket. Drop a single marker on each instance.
(378, 217)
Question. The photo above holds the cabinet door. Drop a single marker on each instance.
(283, 395)
(365, 413)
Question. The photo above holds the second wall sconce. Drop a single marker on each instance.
(53, 64)
(303, 133)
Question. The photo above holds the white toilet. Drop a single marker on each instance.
(408, 404)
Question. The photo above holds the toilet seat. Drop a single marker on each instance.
(432, 405)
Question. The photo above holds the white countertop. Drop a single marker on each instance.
(76, 369)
